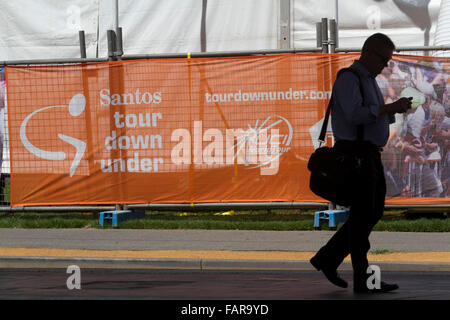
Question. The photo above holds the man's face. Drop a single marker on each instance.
(378, 59)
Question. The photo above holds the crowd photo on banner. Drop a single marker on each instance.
(417, 156)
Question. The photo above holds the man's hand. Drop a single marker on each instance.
(400, 106)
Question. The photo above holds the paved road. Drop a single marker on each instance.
(208, 264)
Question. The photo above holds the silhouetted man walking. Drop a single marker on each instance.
(358, 103)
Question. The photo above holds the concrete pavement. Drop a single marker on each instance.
(209, 249)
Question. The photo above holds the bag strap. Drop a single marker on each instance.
(360, 128)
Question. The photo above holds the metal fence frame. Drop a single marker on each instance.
(327, 41)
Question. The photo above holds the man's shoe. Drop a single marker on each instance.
(384, 287)
(330, 274)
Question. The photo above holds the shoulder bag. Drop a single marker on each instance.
(333, 172)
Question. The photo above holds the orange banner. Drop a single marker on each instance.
(179, 130)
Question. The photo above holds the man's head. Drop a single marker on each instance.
(376, 52)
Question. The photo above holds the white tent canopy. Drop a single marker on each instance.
(46, 29)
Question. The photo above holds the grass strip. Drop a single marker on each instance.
(283, 220)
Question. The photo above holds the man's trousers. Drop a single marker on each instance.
(366, 210)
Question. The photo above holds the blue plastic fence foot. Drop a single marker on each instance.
(120, 215)
(334, 217)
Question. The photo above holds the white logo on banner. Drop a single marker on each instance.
(260, 146)
(76, 107)
(314, 132)
(272, 147)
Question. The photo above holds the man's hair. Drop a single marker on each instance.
(378, 40)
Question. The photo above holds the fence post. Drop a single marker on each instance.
(111, 35)
(116, 85)
(322, 40)
(319, 34)
(82, 44)
(324, 35)
(333, 37)
(119, 44)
